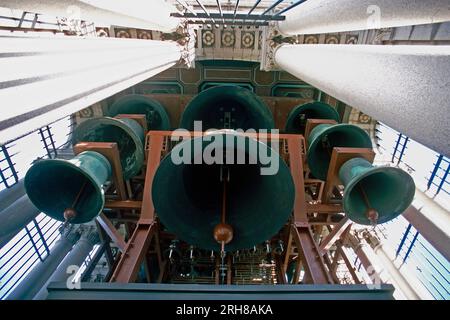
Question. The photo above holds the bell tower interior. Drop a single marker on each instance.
(203, 149)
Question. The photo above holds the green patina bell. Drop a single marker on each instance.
(127, 133)
(388, 191)
(56, 185)
(227, 107)
(155, 113)
(324, 137)
(188, 197)
(296, 122)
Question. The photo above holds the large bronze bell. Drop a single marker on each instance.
(227, 107)
(375, 194)
(204, 206)
(69, 189)
(155, 113)
(325, 137)
(296, 122)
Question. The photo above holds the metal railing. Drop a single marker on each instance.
(33, 243)
(29, 247)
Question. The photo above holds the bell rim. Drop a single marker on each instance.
(306, 106)
(216, 247)
(149, 102)
(263, 107)
(98, 190)
(409, 193)
(331, 128)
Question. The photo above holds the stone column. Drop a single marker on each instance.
(405, 87)
(41, 272)
(15, 217)
(47, 78)
(75, 257)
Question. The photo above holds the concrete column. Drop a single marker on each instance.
(34, 281)
(11, 195)
(406, 87)
(144, 14)
(410, 286)
(395, 271)
(45, 79)
(325, 16)
(431, 220)
(16, 217)
(75, 257)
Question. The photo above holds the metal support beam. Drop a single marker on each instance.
(276, 3)
(87, 273)
(229, 16)
(111, 231)
(357, 74)
(220, 10)
(254, 7)
(181, 292)
(205, 11)
(329, 16)
(324, 208)
(302, 236)
(240, 22)
(138, 244)
(292, 6)
(348, 264)
(342, 228)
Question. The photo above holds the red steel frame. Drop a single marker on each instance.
(310, 255)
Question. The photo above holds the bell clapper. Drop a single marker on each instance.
(71, 213)
(223, 232)
(371, 213)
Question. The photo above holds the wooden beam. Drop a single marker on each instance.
(349, 265)
(134, 253)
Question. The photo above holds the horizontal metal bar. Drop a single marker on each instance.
(127, 204)
(28, 20)
(140, 291)
(236, 23)
(272, 6)
(292, 6)
(229, 16)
